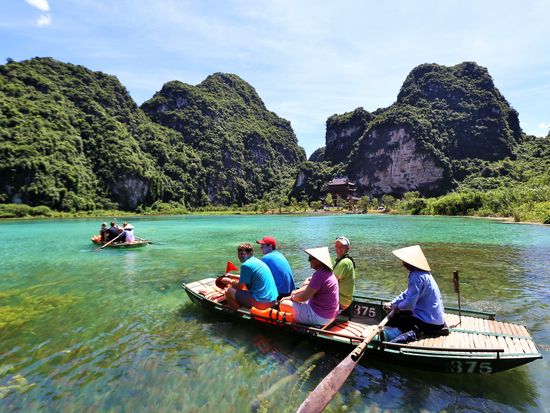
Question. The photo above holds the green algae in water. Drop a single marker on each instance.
(20, 307)
(16, 383)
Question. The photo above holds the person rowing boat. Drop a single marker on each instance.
(419, 309)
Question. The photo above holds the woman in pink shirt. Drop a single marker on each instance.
(317, 302)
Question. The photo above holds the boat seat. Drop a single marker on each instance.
(213, 294)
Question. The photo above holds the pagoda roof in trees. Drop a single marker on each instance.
(341, 181)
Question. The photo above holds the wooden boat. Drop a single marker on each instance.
(477, 343)
(136, 244)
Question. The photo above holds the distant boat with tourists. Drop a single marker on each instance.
(476, 343)
(135, 244)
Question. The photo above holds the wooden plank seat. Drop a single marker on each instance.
(479, 335)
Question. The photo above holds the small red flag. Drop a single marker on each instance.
(230, 267)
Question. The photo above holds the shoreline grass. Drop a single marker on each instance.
(25, 212)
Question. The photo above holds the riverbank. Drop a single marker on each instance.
(21, 211)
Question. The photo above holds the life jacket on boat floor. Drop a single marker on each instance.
(271, 314)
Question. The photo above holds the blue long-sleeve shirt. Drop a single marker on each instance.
(422, 297)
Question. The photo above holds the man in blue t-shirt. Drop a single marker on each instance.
(279, 266)
(261, 291)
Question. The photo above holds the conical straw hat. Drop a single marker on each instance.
(320, 254)
(413, 256)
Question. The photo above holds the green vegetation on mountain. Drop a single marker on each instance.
(246, 150)
(72, 139)
(312, 179)
(468, 115)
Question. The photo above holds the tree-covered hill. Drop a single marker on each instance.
(469, 116)
(73, 139)
(444, 119)
(246, 150)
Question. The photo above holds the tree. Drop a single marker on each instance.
(316, 205)
(388, 201)
(364, 203)
(294, 204)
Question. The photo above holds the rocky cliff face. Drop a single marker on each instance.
(342, 131)
(391, 162)
(443, 117)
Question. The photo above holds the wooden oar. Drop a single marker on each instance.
(325, 391)
(109, 243)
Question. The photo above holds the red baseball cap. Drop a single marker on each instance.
(267, 240)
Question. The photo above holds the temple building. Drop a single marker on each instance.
(342, 188)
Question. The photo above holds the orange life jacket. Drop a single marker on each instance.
(271, 314)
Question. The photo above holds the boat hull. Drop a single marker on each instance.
(491, 347)
(135, 244)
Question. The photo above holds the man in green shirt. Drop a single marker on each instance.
(344, 270)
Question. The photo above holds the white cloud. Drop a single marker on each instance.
(44, 20)
(39, 4)
(544, 125)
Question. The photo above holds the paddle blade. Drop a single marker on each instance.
(325, 391)
(230, 267)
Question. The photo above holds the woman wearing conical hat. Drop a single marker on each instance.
(317, 302)
(420, 307)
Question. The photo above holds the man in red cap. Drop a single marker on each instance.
(279, 266)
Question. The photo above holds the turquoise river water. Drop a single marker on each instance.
(112, 330)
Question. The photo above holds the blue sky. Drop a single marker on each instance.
(307, 59)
